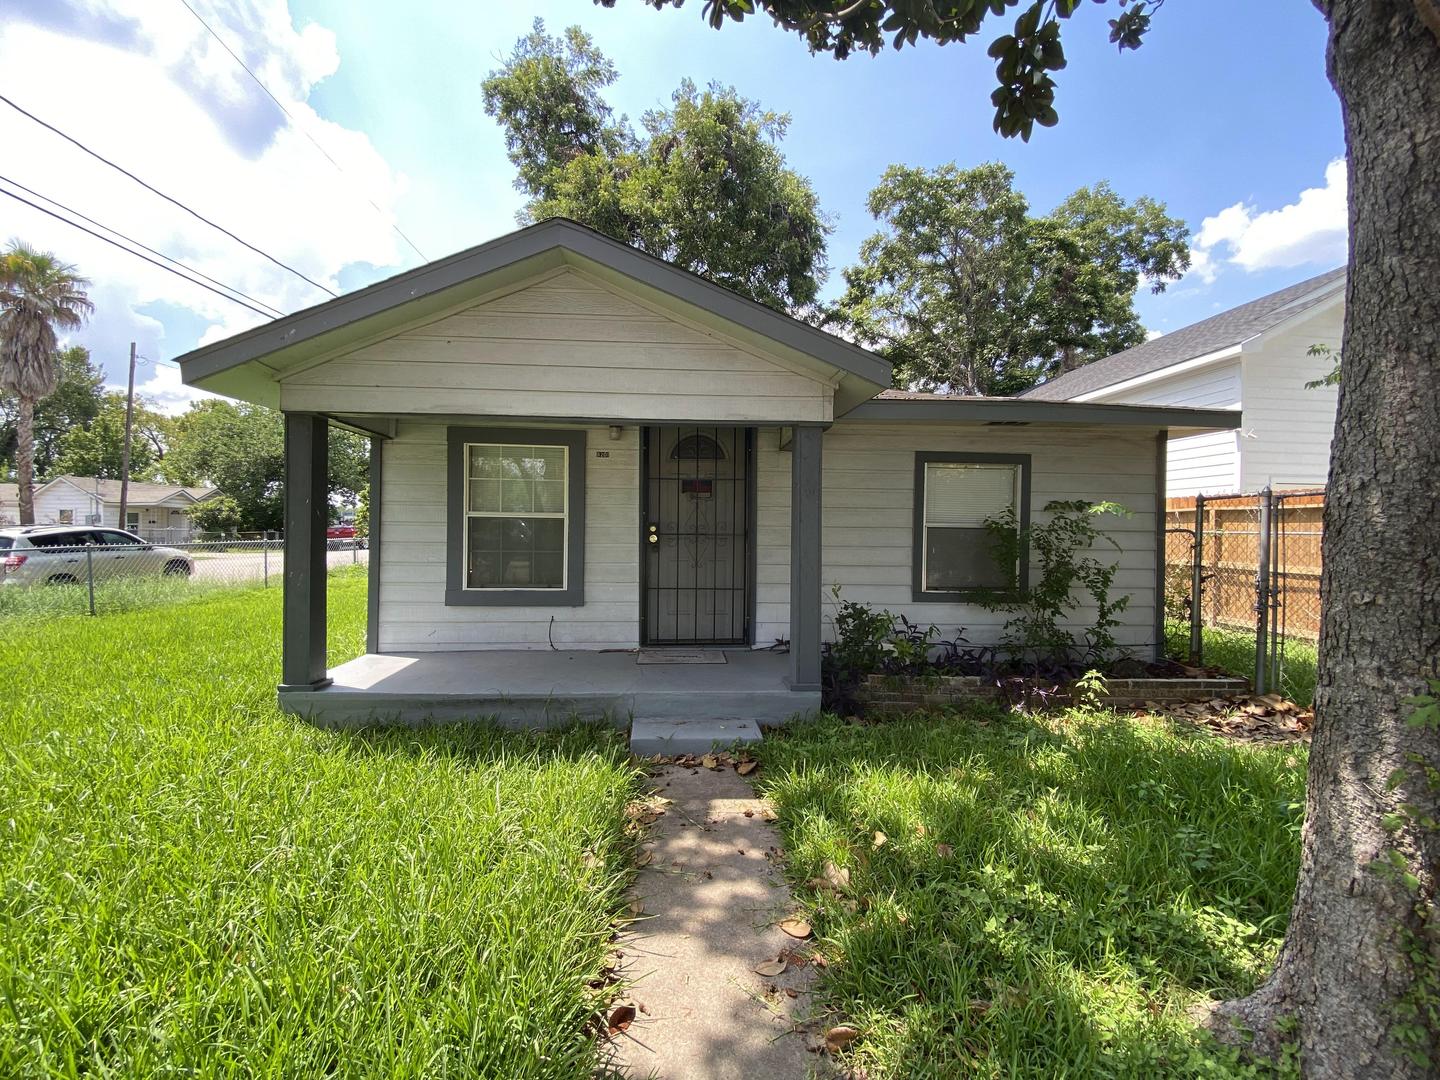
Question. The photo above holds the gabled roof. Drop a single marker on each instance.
(245, 365)
(1228, 329)
(140, 493)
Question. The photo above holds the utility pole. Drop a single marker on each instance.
(125, 446)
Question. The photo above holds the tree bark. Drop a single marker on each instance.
(1357, 974)
(25, 459)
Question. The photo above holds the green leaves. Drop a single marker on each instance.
(1026, 95)
(703, 183)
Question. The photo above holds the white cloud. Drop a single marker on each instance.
(165, 100)
(160, 388)
(1310, 231)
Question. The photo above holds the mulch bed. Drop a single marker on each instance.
(1247, 717)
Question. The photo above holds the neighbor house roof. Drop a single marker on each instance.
(1223, 331)
(140, 493)
(245, 365)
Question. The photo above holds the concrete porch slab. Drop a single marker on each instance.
(542, 688)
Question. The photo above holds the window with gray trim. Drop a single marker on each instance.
(515, 516)
(954, 550)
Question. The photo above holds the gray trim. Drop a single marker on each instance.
(383, 428)
(456, 595)
(307, 506)
(1162, 444)
(752, 532)
(456, 270)
(372, 583)
(805, 559)
(1026, 411)
(918, 593)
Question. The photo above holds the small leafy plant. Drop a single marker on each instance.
(1067, 569)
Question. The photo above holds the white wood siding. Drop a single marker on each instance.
(772, 539)
(1286, 438)
(869, 472)
(563, 347)
(64, 496)
(413, 615)
(1197, 464)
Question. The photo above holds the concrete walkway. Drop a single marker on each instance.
(712, 894)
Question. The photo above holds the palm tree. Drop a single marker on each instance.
(38, 296)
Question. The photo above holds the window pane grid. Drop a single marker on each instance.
(516, 521)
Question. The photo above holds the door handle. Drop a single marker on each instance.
(654, 537)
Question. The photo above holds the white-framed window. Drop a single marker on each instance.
(67, 517)
(955, 549)
(132, 519)
(516, 520)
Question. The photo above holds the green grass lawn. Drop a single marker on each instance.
(193, 884)
(1050, 896)
(1234, 651)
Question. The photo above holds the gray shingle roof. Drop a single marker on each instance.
(1217, 332)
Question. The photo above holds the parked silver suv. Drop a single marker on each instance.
(68, 554)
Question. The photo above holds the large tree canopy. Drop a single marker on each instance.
(240, 449)
(96, 447)
(965, 291)
(702, 184)
(1357, 985)
(73, 404)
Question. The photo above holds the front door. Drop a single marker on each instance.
(696, 535)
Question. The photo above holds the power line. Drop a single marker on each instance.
(138, 255)
(281, 106)
(168, 198)
(144, 247)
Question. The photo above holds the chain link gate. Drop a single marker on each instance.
(1249, 567)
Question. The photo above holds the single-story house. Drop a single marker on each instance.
(599, 481)
(156, 512)
(1253, 359)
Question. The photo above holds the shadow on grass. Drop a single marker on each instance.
(1045, 895)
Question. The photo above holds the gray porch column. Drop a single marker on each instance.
(307, 504)
(377, 493)
(805, 558)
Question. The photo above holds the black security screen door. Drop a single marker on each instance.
(696, 536)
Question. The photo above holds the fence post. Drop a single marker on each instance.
(354, 551)
(90, 574)
(1197, 585)
(265, 555)
(1262, 590)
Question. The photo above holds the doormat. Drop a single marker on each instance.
(680, 656)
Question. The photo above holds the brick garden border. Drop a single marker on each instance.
(906, 693)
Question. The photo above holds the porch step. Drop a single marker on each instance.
(671, 737)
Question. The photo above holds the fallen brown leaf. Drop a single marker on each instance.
(837, 877)
(710, 761)
(945, 851)
(839, 1037)
(621, 1017)
(745, 768)
(796, 928)
(879, 840)
(771, 968)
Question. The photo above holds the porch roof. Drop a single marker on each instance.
(905, 405)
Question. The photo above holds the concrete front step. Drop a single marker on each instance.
(671, 737)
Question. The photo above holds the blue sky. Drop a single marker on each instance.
(1234, 129)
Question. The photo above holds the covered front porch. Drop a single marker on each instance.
(529, 688)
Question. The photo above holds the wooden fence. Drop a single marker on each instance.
(1229, 532)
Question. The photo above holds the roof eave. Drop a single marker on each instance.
(1028, 411)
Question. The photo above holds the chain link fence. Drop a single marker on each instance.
(1242, 575)
(40, 577)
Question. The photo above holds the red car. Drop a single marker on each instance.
(342, 536)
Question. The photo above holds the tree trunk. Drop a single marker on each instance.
(1360, 967)
(25, 459)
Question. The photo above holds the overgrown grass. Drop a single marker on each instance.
(193, 884)
(1234, 651)
(1050, 895)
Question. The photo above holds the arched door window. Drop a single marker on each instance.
(697, 448)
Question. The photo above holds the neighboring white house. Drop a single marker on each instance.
(156, 512)
(580, 451)
(1253, 358)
